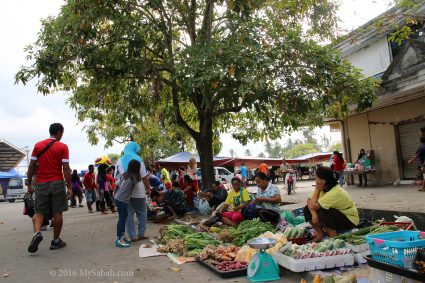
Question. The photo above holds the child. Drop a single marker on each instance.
(122, 197)
(172, 203)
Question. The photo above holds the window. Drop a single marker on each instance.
(223, 172)
(15, 183)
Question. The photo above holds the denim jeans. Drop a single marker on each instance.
(138, 206)
(90, 196)
(341, 178)
(122, 217)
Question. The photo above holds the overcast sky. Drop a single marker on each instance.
(26, 115)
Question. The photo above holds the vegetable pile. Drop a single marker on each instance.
(223, 258)
(245, 231)
(180, 239)
(231, 265)
(214, 255)
(358, 237)
(329, 247)
(174, 232)
(294, 232)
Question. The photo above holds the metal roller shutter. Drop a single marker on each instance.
(409, 143)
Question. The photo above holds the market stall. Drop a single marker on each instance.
(351, 172)
(238, 251)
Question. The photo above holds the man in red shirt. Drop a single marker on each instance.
(50, 165)
(90, 187)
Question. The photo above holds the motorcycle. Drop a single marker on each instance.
(290, 183)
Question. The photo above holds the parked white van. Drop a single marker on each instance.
(221, 173)
(18, 187)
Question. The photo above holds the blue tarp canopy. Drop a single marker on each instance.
(12, 173)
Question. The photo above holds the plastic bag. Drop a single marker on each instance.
(288, 216)
(204, 207)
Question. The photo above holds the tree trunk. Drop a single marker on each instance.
(204, 145)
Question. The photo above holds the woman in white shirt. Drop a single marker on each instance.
(137, 203)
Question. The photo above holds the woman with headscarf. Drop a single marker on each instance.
(137, 203)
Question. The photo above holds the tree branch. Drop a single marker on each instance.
(234, 109)
(177, 113)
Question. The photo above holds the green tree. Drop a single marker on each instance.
(301, 149)
(113, 157)
(261, 154)
(248, 152)
(232, 153)
(308, 135)
(274, 150)
(325, 142)
(204, 66)
(336, 146)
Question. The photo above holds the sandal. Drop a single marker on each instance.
(141, 238)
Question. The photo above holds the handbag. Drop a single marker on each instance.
(250, 212)
(28, 205)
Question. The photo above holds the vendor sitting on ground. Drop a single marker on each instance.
(189, 190)
(330, 208)
(267, 199)
(215, 196)
(154, 181)
(172, 203)
(237, 199)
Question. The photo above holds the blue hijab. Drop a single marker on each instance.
(130, 153)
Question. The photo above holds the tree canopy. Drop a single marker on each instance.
(196, 68)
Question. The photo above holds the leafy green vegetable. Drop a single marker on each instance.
(250, 229)
(358, 237)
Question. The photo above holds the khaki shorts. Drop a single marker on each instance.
(50, 197)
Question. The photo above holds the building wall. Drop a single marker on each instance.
(382, 138)
(373, 59)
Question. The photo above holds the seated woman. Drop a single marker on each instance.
(172, 203)
(215, 196)
(330, 208)
(190, 190)
(267, 199)
(237, 199)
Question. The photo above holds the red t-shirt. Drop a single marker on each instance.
(50, 163)
(338, 163)
(111, 181)
(89, 182)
